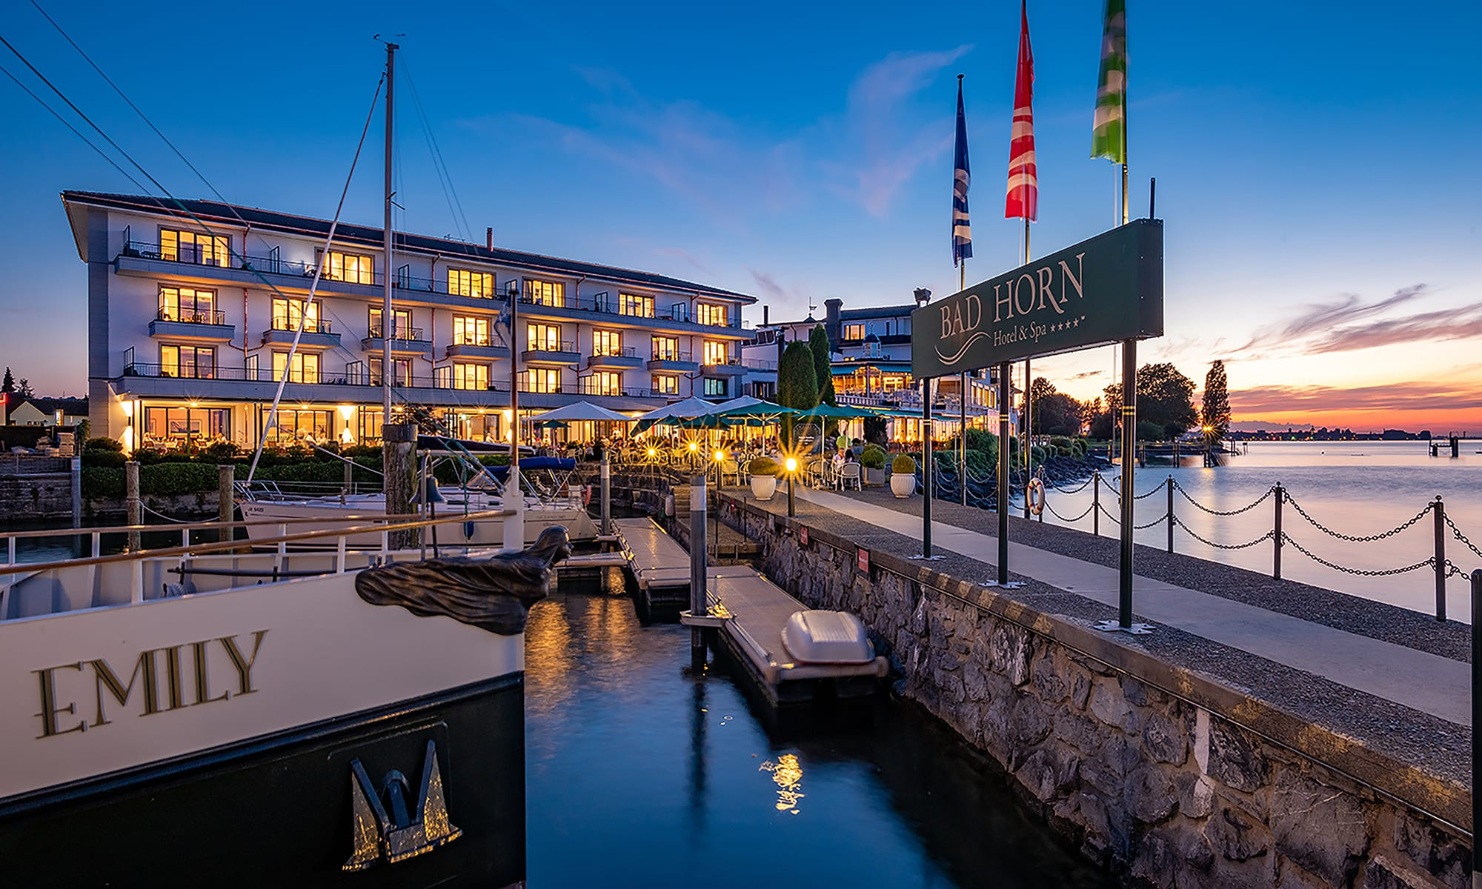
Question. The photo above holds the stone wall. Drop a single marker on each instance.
(35, 497)
(1165, 774)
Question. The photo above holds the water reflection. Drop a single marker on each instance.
(640, 775)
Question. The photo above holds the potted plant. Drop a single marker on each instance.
(872, 458)
(902, 476)
(763, 472)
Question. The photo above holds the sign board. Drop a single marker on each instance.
(862, 560)
(803, 535)
(1100, 291)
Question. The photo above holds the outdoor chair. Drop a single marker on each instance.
(731, 470)
(849, 476)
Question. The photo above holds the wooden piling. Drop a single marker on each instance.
(399, 459)
(131, 500)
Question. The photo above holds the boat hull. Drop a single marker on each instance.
(277, 811)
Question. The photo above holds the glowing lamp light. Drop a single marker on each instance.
(694, 446)
(790, 464)
(652, 453)
(346, 436)
(347, 411)
(719, 455)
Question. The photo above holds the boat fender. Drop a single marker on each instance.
(669, 505)
(1034, 495)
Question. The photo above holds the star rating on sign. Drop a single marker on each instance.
(1067, 324)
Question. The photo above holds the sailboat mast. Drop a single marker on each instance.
(388, 316)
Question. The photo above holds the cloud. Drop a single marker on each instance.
(1349, 323)
(886, 140)
(770, 289)
(1407, 395)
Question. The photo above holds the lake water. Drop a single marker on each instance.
(639, 775)
(1356, 488)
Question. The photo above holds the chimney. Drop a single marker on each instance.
(489, 237)
(764, 316)
(831, 323)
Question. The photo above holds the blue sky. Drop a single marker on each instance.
(1315, 161)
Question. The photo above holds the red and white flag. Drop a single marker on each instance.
(1023, 194)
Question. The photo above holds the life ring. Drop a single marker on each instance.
(1034, 496)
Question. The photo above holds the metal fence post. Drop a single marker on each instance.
(1170, 513)
(1440, 511)
(1096, 502)
(1476, 724)
(1276, 553)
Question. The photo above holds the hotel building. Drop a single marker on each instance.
(193, 311)
(871, 364)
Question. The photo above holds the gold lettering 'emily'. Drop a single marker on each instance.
(155, 683)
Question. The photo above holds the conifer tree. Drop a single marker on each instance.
(818, 342)
(1216, 412)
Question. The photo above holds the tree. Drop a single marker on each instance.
(24, 390)
(1166, 397)
(1055, 413)
(9, 384)
(818, 343)
(797, 381)
(1216, 412)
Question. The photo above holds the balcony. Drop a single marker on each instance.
(354, 383)
(550, 352)
(485, 349)
(589, 387)
(731, 367)
(317, 333)
(406, 341)
(760, 364)
(669, 359)
(615, 358)
(191, 325)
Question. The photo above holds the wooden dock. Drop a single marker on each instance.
(659, 564)
(748, 612)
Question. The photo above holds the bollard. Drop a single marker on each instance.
(226, 486)
(132, 503)
(1276, 552)
(399, 463)
(1096, 502)
(1440, 510)
(699, 575)
(1170, 513)
(606, 494)
(348, 487)
(77, 492)
(1476, 725)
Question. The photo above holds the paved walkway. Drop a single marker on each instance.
(1426, 682)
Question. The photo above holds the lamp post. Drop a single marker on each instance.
(791, 465)
(720, 456)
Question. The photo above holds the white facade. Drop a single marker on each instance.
(192, 317)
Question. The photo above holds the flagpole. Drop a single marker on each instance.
(962, 398)
(1028, 399)
(1129, 408)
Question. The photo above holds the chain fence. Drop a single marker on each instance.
(1354, 538)
(1216, 512)
(1207, 542)
(1358, 572)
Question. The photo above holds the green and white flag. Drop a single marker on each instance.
(1109, 133)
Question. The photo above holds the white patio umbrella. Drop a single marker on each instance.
(581, 410)
(687, 409)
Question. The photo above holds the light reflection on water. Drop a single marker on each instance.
(638, 775)
(1356, 488)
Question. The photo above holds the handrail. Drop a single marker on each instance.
(232, 545)
(197, 526)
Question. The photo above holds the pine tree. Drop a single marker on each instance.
(9, 384)
(1216, 412)
(797, 381)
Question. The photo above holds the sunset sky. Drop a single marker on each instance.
(1316, 162)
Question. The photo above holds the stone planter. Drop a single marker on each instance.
(763, 486)
(874, 476)
(902, 484)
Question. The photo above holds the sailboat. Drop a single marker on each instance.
(200, 715)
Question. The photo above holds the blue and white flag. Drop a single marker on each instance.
(962, 230)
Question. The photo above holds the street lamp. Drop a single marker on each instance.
(791, 465)
(720, 457)
(923, 296)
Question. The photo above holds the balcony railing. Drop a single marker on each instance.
(406, 334)
(551, 346)
(190, 254)
(466, 340)
(589, 386)
(190, 316)
(313, 325)
(672, 355)
(325, 378)
(609, 352)
(759, 364)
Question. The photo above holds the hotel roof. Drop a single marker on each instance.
(236, 216)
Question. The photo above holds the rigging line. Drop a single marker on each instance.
(142, 116)
(78, 133)
(314, 287)
(186, 211)
(445, 176)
